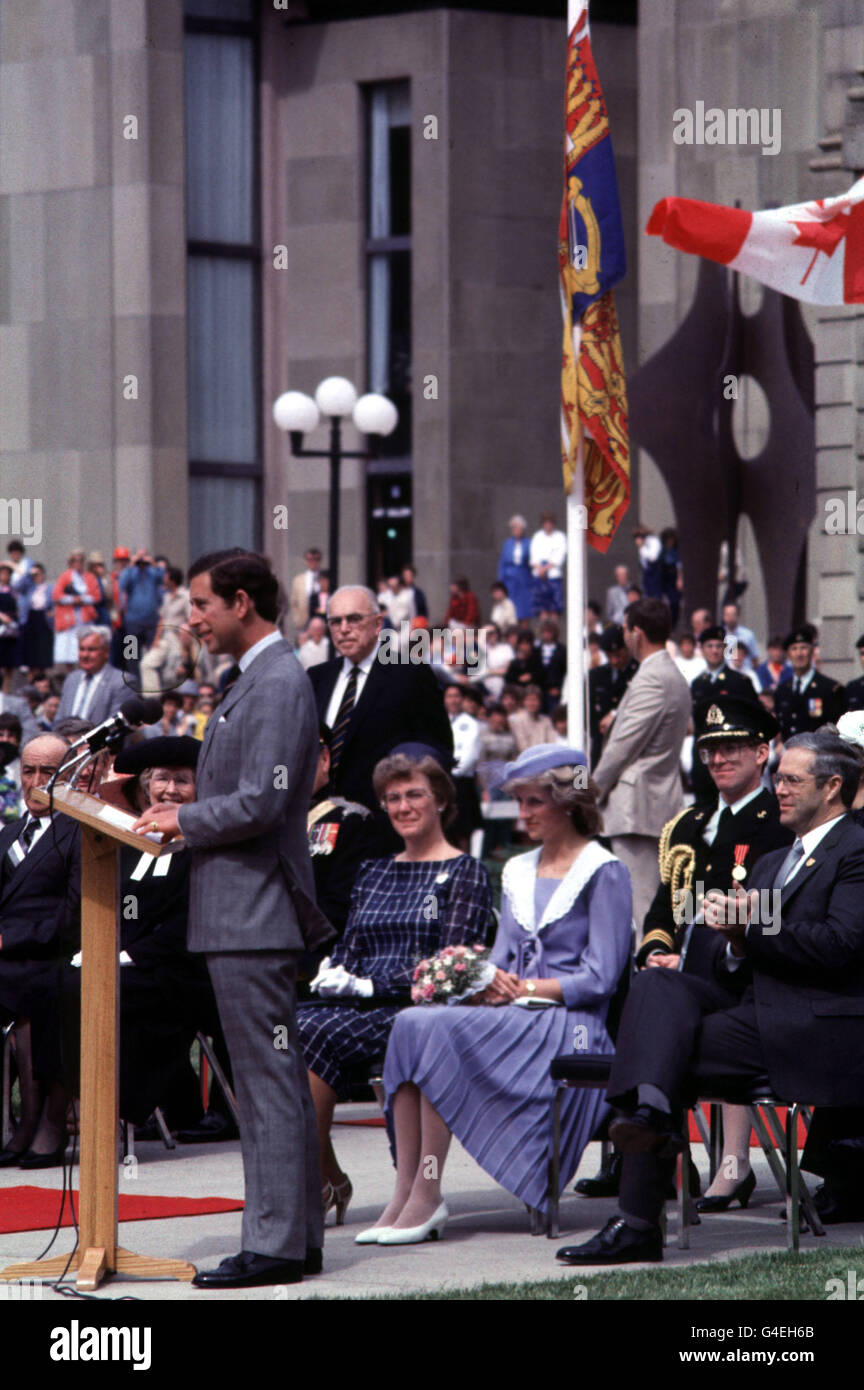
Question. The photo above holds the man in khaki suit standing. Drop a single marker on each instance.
(305, 587)
(638, 774)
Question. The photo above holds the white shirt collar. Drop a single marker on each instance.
(805, 680)
(814, 837)
(365, 665)
(711, 828)
(249, 656)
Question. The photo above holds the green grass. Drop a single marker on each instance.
(778, 1276)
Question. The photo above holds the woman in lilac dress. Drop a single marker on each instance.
(482, 1073)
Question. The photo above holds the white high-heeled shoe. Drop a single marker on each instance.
(372, 1235)
(413, 1235)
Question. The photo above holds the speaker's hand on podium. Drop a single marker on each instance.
(160, 819)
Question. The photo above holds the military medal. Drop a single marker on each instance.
(739, 873)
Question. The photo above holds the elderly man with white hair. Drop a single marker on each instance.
(314, 648)
(96, 689)
(372, 704)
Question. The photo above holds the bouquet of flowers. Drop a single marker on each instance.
(452, 976)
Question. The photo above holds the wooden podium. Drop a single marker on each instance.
(103, 829)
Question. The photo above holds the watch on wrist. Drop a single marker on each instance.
(530, 987)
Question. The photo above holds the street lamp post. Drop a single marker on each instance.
(336, 398)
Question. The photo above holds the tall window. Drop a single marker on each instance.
(388, 329)
(223, 275)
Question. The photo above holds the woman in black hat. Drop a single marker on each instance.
(165, 995)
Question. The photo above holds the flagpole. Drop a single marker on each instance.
(576, 566)
(576, 666)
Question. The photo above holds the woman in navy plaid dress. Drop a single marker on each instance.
(403, 909)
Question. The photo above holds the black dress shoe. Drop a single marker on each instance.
(741, 1193)
(606, 1182)
(10, 1158)
(616, 1244)
(212, 1128)
(314, 1261)
(835, 1205)
(644, 1131)
(249, 1271)
(34, 1160)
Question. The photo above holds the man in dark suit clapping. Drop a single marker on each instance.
(786, 999)
(371, 705)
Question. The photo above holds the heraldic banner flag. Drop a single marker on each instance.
(590, 262)
(811, 251)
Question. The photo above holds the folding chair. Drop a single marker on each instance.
(779, 1146)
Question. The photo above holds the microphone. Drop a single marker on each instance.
(131, 714)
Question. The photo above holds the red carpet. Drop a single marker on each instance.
(36, 1208)
(376, 1123)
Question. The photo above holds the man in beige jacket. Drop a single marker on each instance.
(638, 774)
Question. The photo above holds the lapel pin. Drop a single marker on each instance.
(808, 863)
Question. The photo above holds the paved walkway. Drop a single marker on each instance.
(487, 1239)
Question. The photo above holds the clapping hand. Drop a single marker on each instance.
(729, 913)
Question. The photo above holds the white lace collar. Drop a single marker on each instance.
(520, 876)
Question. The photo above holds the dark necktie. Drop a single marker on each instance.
(723, 823)
(20, 847)
(343, 717)
(797, 685)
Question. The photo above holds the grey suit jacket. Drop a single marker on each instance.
(251, 886)
(639, 775)
(108, 696)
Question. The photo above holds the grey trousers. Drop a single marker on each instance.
(256, 997)
(638, 853)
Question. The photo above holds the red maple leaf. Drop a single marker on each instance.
(821, 236)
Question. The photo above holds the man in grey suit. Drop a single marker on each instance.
(638, 775)
(96, 690)
(252, 908)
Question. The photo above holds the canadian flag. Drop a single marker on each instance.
(811, 251)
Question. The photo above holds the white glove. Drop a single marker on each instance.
(322, 970)
(336, 982)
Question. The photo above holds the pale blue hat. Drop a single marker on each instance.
(534, 761)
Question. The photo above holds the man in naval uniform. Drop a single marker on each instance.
(809, 699)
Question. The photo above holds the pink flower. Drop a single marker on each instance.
(448, 951)
(478, 949)
(461, 951)
(417, 973)
(460, 966)
(428, 991)
(416, 995)
(439, 975)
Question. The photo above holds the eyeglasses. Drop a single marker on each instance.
(414, 796)
(731, 752)
(790, 779)
(350, 620)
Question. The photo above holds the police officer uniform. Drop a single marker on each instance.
(855, 689)
(707, 847)
(606, 686)
(803, 704)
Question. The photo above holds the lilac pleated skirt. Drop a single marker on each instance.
(486, 1072)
